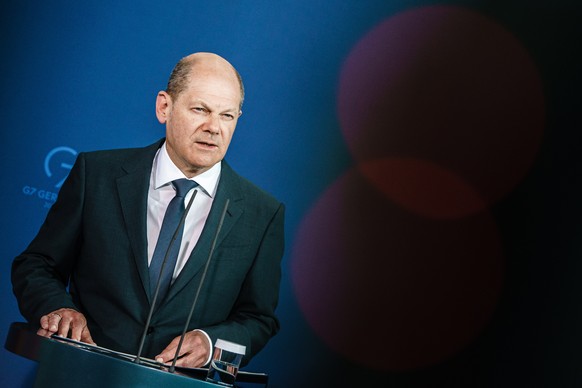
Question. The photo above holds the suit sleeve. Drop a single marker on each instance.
(40, 274)
(252, 321)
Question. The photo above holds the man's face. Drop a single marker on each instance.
(201, 120)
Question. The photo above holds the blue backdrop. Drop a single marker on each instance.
(427, 153)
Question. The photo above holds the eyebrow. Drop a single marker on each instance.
(205, 105)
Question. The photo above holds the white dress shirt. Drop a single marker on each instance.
(161, 192)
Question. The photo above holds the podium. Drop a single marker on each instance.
(65, 365)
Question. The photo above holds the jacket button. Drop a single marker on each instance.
(150, 330)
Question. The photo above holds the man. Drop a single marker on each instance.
(99, 237)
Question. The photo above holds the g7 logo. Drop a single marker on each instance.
(64, 165)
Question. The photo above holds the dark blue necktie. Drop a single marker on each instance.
(172, 218)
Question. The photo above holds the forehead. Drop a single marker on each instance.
(212, 86)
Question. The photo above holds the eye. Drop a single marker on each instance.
(199, 109)
(228, 116)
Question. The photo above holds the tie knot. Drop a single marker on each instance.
(183, 186)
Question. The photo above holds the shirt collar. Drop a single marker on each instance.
(166, 171)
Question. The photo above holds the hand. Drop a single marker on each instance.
(66, 323)
(193, 353)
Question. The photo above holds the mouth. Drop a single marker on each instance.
(207, 145)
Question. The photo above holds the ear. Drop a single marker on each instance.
(163, 106)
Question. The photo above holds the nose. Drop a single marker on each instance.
(213, 124)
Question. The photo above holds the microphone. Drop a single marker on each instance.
(157, 291)
(173, 367)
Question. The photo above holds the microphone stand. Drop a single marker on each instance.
(157, 291)
(173, 367)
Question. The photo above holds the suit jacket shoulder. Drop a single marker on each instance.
(239, 185)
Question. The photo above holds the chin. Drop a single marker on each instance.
(198, 165)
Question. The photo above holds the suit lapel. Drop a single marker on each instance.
(228, 188)
(134, 207)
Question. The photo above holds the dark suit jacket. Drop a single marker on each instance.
(95, 237)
